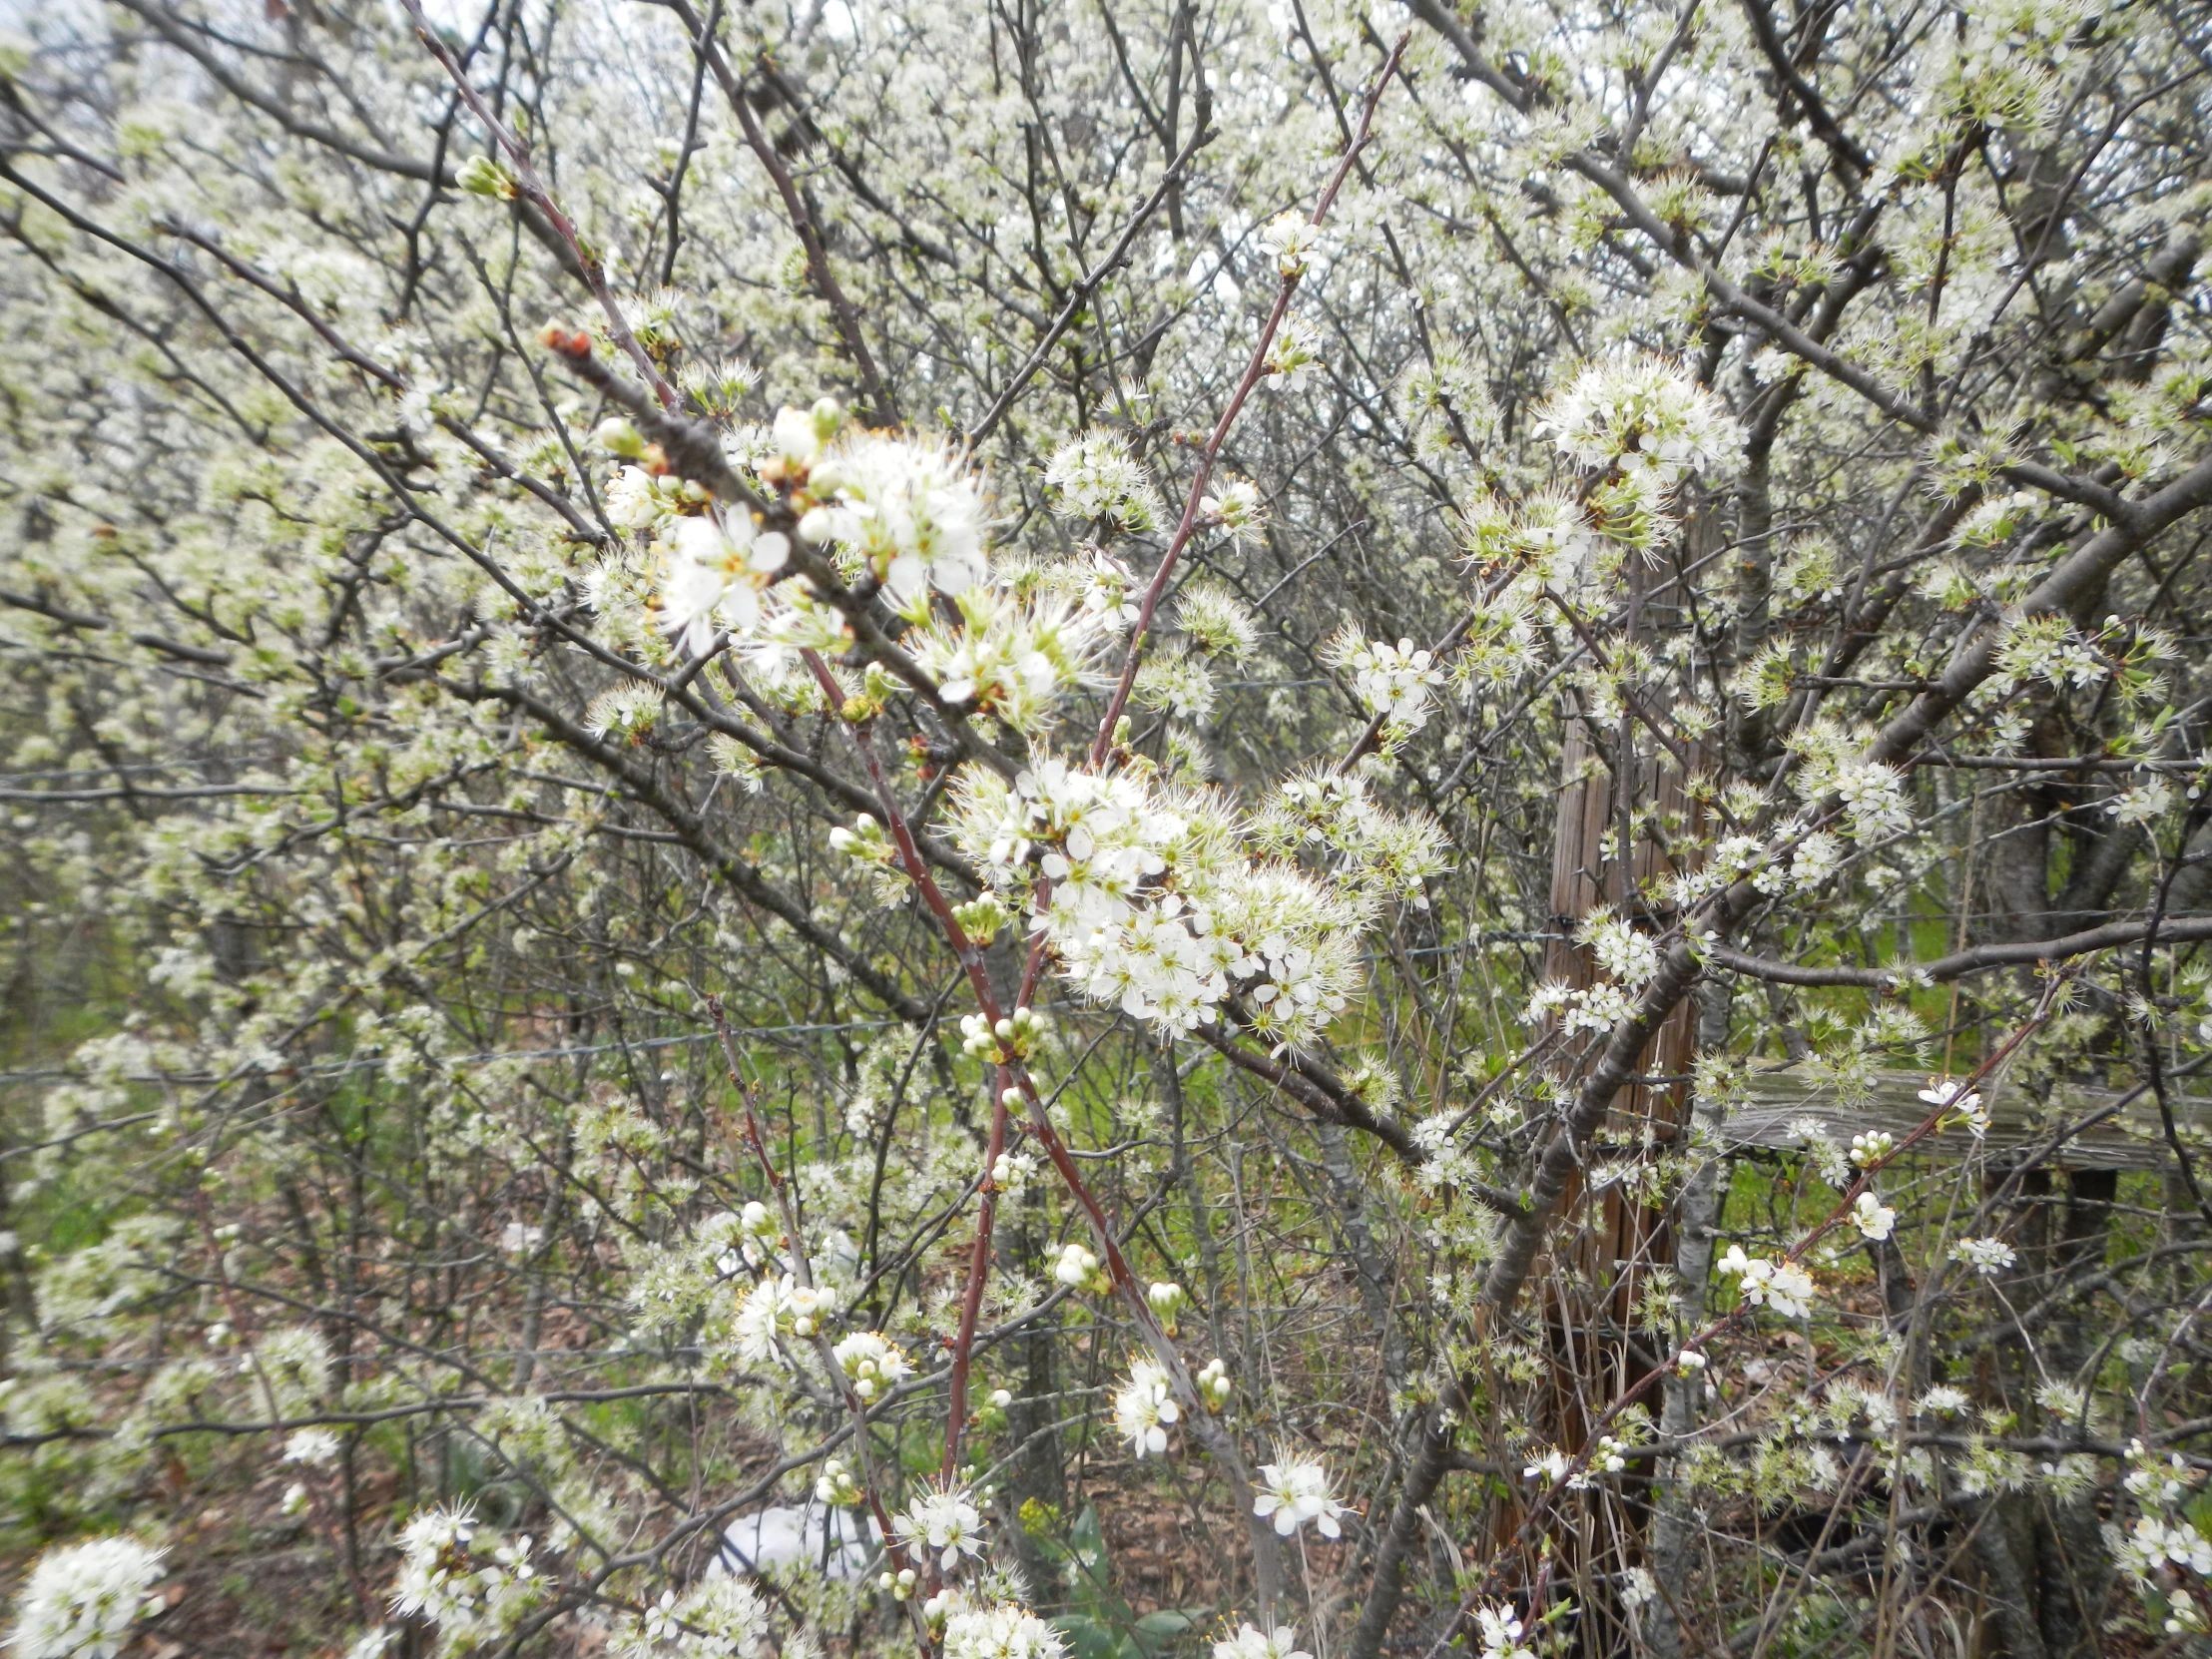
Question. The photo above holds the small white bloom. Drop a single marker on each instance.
(1956, 1097)
(1291, 239)
(944, 1522)
(1234, 504)
(1550, 1465)
(1871, 1217)
(1501, 1634)
(1249, 1642)
(311, 1445)
(1988, 1257)
(1144, 1408)
(1295, 357)
(1294, 1491)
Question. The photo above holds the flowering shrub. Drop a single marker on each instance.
(993, 832)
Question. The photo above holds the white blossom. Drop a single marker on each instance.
(1295, 359)
(1871, 1217)
(911, 512)
(1291, 240)
(1500, 1633)
(1143, 1407)
(1294, 1491)
(81, 1600)
(1988, 1257)
(311, 1445)
(1002, 1630)
(1249, 1642)
(945, 1522)
(1949, 1096)
(1784, 1287)
(872, 1363)
(1095, 477)
(2154, 1541)
(1640, 412)
(1396, 681)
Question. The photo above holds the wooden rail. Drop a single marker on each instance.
(2132, 1139)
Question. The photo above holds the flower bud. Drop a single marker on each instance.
(1167, 1299)
(481, 176)
(618, 438)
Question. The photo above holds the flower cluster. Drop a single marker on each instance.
(1012, 1036)
(1988, 1257)
(1371, 848)
(1079, 1268)
(1618, 949)
(2154, 1481)
(838, 1486)
(910, 513)
(469, 1598)
(1870, 1147)
(1156, 903)
(776, 1308)
(870, 1364)
(2152, 1543)
(81, 1600)
(1640, 414)
(1095, 477)
(714, 1617)
(1009, 657)
(1395, 681)
(1216, 619)
(1874, 798)
(1597, 1007)
(1782, 1286)
(1000, 1630)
